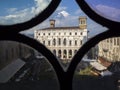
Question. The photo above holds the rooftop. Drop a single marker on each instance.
(55, 28)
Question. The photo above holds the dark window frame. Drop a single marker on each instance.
(65, 78)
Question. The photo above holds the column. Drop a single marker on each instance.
(67, 54)
(57, 41)
(62, 41)
(61, 54)
(73, 53)
(56, 52)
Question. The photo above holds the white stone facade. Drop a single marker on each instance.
(110, 49)
(64, 42)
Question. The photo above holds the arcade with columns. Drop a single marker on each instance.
(64, 42)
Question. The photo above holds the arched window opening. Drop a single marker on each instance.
(70, 42)
(44, 42)
(59, 53)
(64, 42)
(49, 43)
(64, 54)
(75, 42)
(59, 41)
(80, 42)
(70, 53)
(75, 33)
(54, 42)
(117, 41)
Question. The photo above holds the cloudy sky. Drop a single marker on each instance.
(109, 9)
(17, 11)
(67, 13)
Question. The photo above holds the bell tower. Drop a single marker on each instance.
(52, 23)
(83, 22)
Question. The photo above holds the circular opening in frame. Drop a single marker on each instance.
(99, 69)
(108, 9)
(22, 67)
(19, 11)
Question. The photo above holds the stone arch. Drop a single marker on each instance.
(75, 42)
(64, 42)
(59, 53)
(59, 41)
(64, 53)
(70, 53)
(70, 42)
(49, 42)
(54, 42)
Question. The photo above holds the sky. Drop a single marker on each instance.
(67, 13)
(17, 11)
(107, 8)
